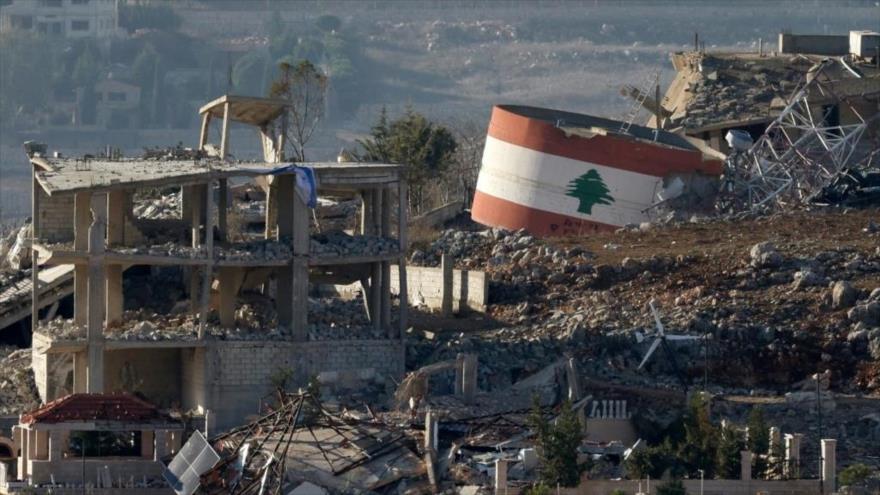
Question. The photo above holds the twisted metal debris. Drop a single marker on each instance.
(799, 153)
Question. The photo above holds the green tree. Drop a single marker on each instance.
(558, 443)
(853, 475)
(759, 440)
(590, 190)
(423, 147)
(305, 87)
(728, 457)
(671, 487)
(699, 447)
(655, 461)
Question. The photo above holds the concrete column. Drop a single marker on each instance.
(402, 202)
(446, 263)
(793, 455)
(222, 207)
(459, 374)
(228, 291)
(193, 215)
(147, 447)
(36, 190)
(208, 271)
(80, 371)
(500, 477)
(115, 218)
(300, 293)
(386, 266)
(283, 187)
(224, 137)
(469, 374)
(114, 294)
(161, 444)
(745, 465)
(82, 218)
(96, 299)
(430, 431)
(24, 445)
(829, 464)
(203, 133)
(56, 441)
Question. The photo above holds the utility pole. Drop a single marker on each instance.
(819, 414)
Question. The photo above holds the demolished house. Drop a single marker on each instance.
(92, 441)
(231, 309)
(799, 125)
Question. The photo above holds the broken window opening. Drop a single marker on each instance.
(105, 443)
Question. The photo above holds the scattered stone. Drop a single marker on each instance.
(765, 255)
(843, 295)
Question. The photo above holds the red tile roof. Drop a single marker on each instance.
(95, 407)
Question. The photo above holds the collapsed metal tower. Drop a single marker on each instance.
(798, 154)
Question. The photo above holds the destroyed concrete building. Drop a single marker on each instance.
(715, 92)
(248, 313)
(100, 440)
(792, 124)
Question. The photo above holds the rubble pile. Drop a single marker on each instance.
(775, 311)
(161, 207)
(253, 250)
(474, 249)
(740, 89)
(18, 391)
(338, 243)
(333, 215)
(255, 319)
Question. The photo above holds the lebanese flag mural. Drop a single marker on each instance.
(535, 176)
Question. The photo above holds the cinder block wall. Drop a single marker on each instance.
(240, 373)
(426, 283)
(56, 217)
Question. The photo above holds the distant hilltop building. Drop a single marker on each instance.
(67, 18)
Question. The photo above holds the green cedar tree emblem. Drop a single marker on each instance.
(590, 190)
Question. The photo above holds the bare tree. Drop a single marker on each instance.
(306, 89)
(461, 175)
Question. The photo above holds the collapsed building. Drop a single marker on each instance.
(734, 132)
(249, 310)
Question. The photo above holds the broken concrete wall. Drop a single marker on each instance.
(56, 217)
(438, 216)
(425, 285)
(192, 378)
(609, 429)
(242, 371)
(153, 373)
(817, 44)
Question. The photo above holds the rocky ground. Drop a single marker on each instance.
(779, 298)
(772, 299)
